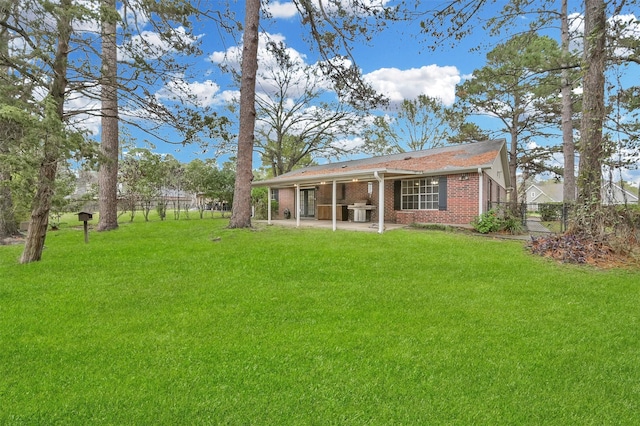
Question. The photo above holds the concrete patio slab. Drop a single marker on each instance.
(327, 224)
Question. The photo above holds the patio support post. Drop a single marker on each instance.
(380, 180)
(297, 205)
(268, 205)
(333, 205)
(480, 189)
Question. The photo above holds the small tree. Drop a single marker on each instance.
(65, 186)
(420, 123)
(129, 175)
(260, 201)
(173, 184)
(297, 119)
(223, 186)
(199, 179)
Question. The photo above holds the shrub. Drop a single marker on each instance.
(550, 211)
(259, 198)
(512, 224)
(487, 222)
(496, 221)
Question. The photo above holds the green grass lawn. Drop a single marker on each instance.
(187, 322)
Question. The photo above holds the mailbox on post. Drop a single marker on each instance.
(85, 217)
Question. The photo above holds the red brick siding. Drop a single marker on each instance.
(286, 200)
(462, 204)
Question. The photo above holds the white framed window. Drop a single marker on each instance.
(420, 194)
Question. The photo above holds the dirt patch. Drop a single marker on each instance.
(10, 241)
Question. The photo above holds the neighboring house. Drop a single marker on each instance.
(449, 185)
(539, 193)
(176, 198)
(85, 194)
(611, 193)
(86, 184)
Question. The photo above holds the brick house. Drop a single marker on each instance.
(449, 185)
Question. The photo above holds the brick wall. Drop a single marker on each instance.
(462, 204)
(286, 200)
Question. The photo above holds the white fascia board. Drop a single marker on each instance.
(343, 176)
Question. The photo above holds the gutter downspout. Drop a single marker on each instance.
(380, 180)
(480, 190)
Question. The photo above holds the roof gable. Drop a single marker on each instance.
(553, 191)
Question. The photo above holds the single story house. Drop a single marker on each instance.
(539, 193)
(611, 193)
(448, 185)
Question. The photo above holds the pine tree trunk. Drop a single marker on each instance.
(513, 170)
(588, 218)
(108, 173)
(241, 215)
(568, 147)
(37, 232)
(8, 223)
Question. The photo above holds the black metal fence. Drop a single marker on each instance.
(620, 220)
(544, 212)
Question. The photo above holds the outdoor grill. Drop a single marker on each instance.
(360, 211)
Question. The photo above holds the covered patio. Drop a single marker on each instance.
(323, 224)
(369, 176)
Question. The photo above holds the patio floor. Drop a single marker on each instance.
(328, 224)
(533, 229)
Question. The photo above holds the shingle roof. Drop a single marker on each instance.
(552, 190)
(445, 160)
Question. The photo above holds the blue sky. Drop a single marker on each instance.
(397, 62)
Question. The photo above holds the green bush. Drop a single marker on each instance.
(260, 201)
(512, 224)
(496, 221)
(487, 222)
(550, 211)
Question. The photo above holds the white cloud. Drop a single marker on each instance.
(349, 144)
(89, 121)
(204, 93)
(133, 14)
(232, 58)
(150, 44)
(284, 10)
(229, 96)
(576, 32)
(396, 84)
(90, 25)
(626, 27)
(431, 80)
(361, 7)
